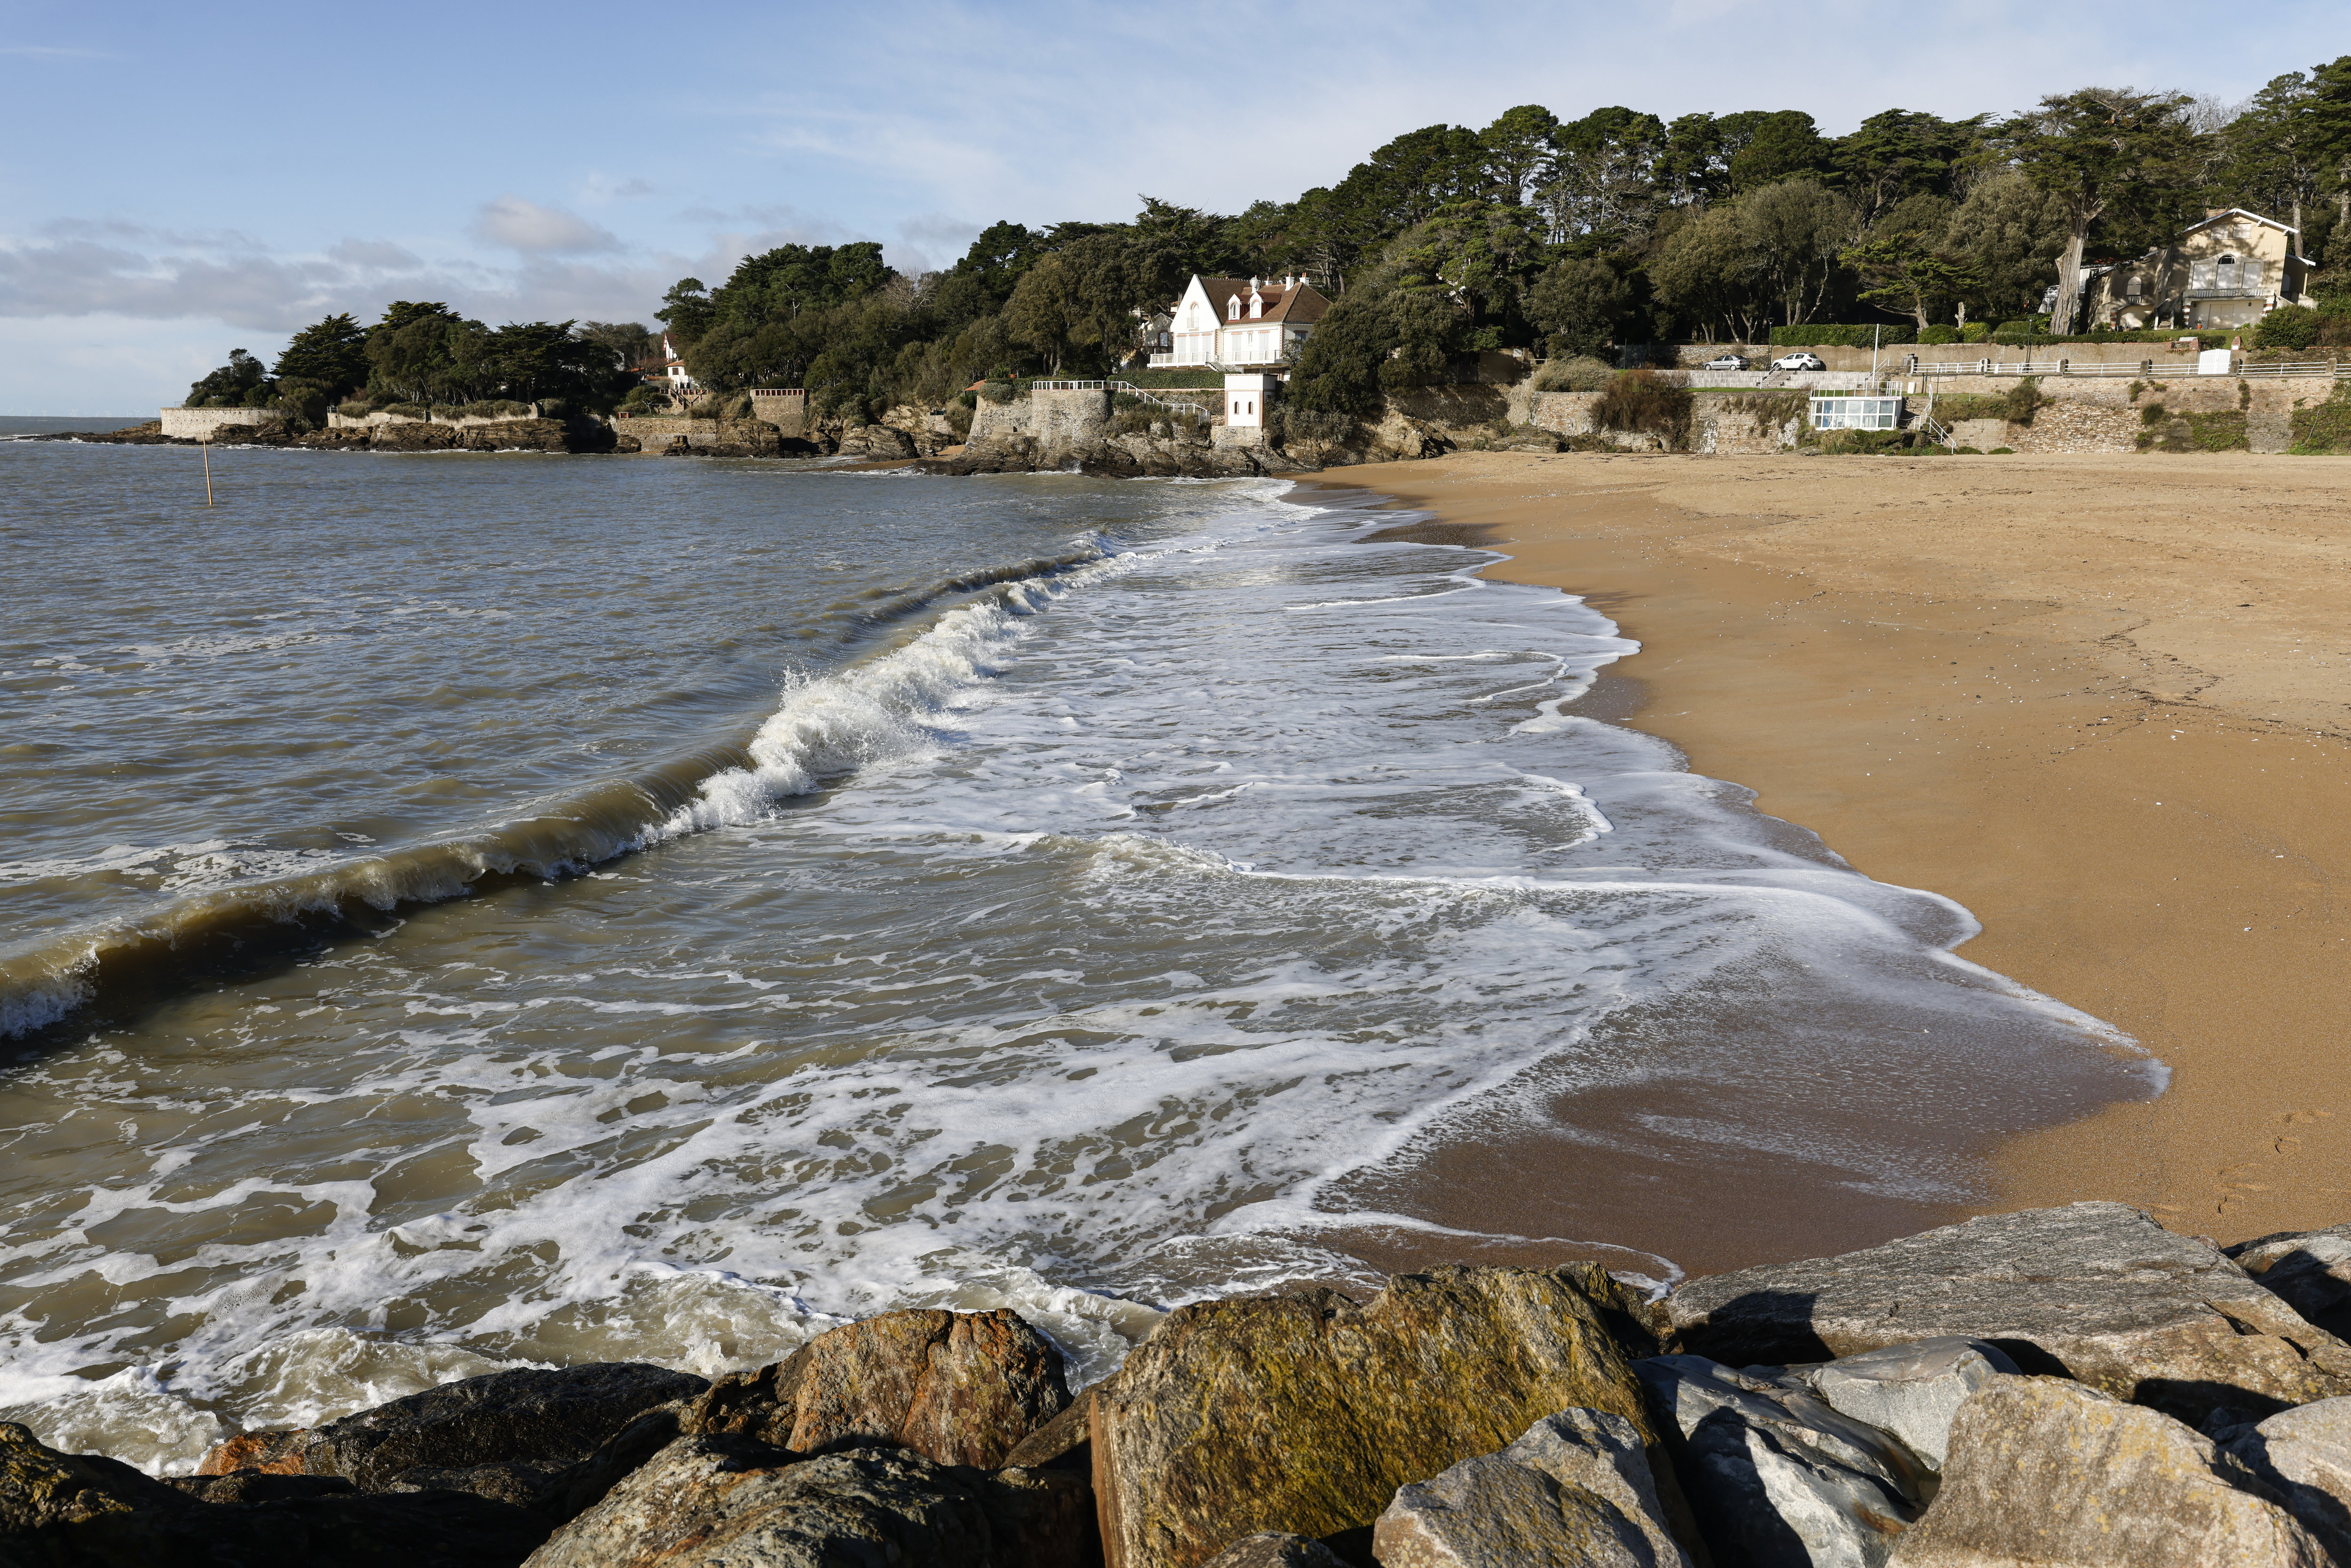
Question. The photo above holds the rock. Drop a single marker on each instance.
(2304, 1456)
(1576, 1488)
(41, 1488)
(1910, 1390)
(729, 1499)
(958, 1388)
(584, 1486)
(876, 443)
(2095, 1292)
(416, 436)
(561, 1415)
(1306, 1411)
(257, 1486)
(1064, 1443)
(522, 1482)
(63, 1511)
(1276, 1551)
(2043, 1471)
(2309, 1270)
(1777, 1477)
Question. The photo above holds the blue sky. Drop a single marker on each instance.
(184, 179)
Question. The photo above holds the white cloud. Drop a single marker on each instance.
(528, 227)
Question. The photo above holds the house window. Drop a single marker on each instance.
(2131, 291)
(2228, 272)
(2249, 273)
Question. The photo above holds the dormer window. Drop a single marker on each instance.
(1233, 309)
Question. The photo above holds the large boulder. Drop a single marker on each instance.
(958, 1388)
(2043, 1471)
(1305, 1413)
(1276, 1551)
(1576, 1488)
(731, 1502)
(1910, 1390)
(500, 1435)
(2309, 1270)
(2094, 1292)
(83, 1510)
(1778, 1478)
(2304, 1456)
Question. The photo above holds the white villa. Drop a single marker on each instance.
(682, 383)
(2230, 270)
(1238, 321)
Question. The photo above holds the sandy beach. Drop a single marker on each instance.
(2100, 701)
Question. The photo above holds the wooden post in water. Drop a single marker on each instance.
(208, 470)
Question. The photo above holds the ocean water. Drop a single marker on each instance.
(462, 911)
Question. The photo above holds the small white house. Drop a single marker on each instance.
(1238, 321)
(1247, 393)
(682, 383)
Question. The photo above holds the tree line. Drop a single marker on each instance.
(1558, 237)
(426, 354)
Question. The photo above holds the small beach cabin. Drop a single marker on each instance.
(1833, 412)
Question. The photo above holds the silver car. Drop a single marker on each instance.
(1726, 362)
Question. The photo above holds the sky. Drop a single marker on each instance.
(184, 180)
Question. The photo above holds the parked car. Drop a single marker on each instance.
(1799, 362)
(1726, 362)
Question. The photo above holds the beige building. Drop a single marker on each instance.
(2230, 270)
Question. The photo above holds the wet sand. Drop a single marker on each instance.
(2101, 701)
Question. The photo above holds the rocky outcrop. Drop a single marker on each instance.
(505, 1436)
(1305, 1413)
(1777, 1477)
(729, 1499)
(2094, 1292)
(958, 1388)
(2043, 1470)
(2309, 1270)
(1576, 1488)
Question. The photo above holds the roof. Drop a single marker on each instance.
(2241, 213)
(1300, 305)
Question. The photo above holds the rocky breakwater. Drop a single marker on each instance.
(2070, 1385)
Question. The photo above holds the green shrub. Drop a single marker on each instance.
(996, 392)
(2325, 430)
(1970, 451)
(1827, 335)
(2152, 414)
(1939, 335)
(1975, 332)
(2025, 399)
(1582, 373)
(1646, 401)
(2288, 326)
(2002, 451)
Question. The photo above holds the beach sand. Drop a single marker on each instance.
(2099, 700)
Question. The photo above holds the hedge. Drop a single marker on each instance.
(2037, 339)
(1822, 335)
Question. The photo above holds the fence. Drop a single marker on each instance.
(2336, 368)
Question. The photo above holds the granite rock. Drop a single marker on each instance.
(1305, 1413)
(1272, 1551)
(1576, 1488)
(2043, 1470)
(2095, 1292)
(1775, 1476)
(728, 1500)
(561, 1415)
(1910, 1390)
(2309, 1270)
(2304, 1456)
(958, 1388)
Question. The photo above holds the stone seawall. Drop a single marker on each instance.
(198, 424)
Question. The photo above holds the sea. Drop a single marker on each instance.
(463, 911)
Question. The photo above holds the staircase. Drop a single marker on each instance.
(1173, 406)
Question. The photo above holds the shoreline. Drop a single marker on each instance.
(2089, 716)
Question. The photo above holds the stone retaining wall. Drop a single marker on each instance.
(338, 421)
(198, 424)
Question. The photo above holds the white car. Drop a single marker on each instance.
(1726, 362)
(1799, 362)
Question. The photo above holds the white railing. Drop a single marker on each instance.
(2142, 368)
